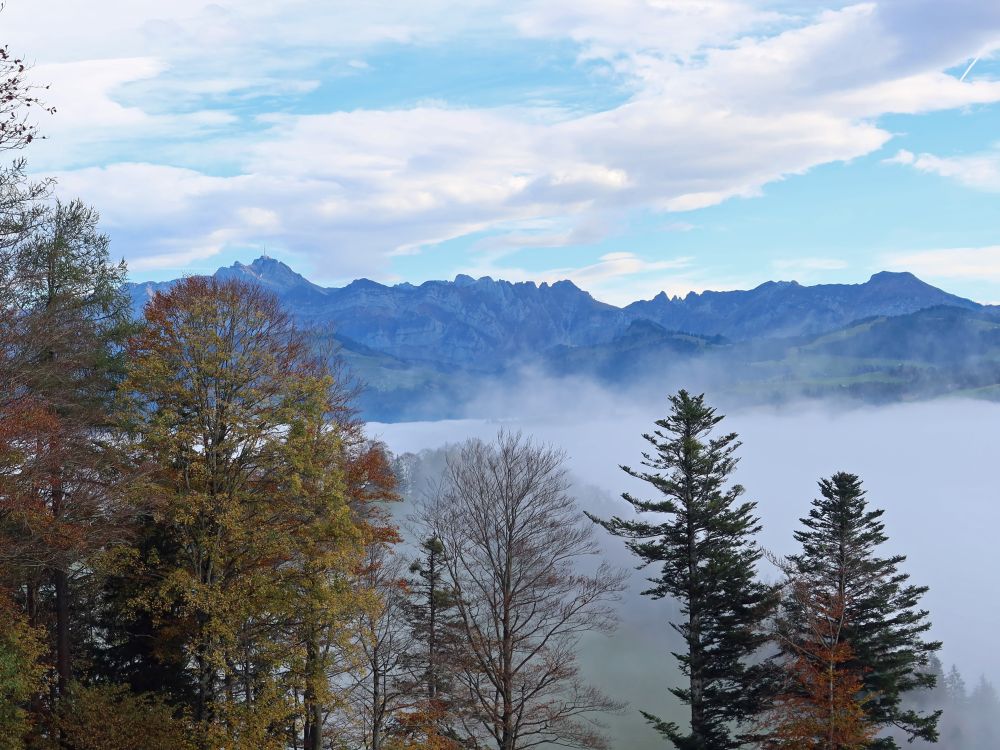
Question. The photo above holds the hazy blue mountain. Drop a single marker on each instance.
(483, 322)
(786, 308)
(923, 354)
(423, 349)
(475, 323)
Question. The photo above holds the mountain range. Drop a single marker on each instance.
(424, 349)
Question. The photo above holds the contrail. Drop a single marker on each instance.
(968, 69)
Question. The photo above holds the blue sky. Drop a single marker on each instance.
(632, 146)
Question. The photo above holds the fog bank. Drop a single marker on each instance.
(929, 465)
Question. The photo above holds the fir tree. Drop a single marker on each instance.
(708, 563)
(885, 626)
(64, 326)
(432, 617)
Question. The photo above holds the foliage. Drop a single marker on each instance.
(22, 673)
(883, 622)
(63, 324)
(821, 705)
(708, 560)
(258, 486)
(110, 717)
(436, 655)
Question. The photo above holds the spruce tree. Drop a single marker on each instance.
(885, 626)
(65, 325)
(431, 614)
(432, 617)
(708, 563)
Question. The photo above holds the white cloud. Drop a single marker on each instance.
(971, 263)
(724, 97)
(980, 171)
(90, 118)
(680, 226)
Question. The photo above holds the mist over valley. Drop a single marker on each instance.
(927, 464)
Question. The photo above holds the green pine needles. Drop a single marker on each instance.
(708, 563)
(884, 624)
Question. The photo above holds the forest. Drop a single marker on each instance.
(202, 548)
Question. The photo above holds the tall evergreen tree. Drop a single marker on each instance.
(432, 617)
(64, 332)
(885, 626)
(708, 563)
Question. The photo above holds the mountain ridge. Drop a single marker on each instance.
(705, 313)
(425, 349)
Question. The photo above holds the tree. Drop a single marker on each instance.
(105, 717)
(515, 546)
(883, 623)
(254, 486)
(708, 564)
(66, 319)
(434, 624)
(821, 704)
(22, 673)
(381, 691)
(17, 98)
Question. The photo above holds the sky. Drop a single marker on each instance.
(631, 146)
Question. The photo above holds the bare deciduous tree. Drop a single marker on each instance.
(517, 548)
(379, 691)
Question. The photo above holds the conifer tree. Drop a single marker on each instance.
(65, 323)
(884, 625)
(435, 657)
(708, 563)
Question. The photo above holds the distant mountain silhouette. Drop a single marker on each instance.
(432, 342)
(786, 308)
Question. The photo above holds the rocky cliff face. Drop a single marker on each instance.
(486, 325)
(786, 308)
(426, 350)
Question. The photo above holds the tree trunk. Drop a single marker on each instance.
(313, 732)
(377, 717)
(64, 665)
(695, 666)
(60, 581)
(507, 676)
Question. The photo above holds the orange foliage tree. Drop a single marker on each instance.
(263, 492)
(63, 320)
(821, 705)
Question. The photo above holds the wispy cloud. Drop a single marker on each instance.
(719, 99)
(980, 171)
(973, 263)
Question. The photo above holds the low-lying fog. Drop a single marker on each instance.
(930, 465)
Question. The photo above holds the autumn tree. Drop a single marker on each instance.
(821, 702)
(111, 717)
(253, 485)
(65, 322)
(708, 563)
(517, 557)
(340, 480)
(883, 623)
(22, 673)
(436, 654)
